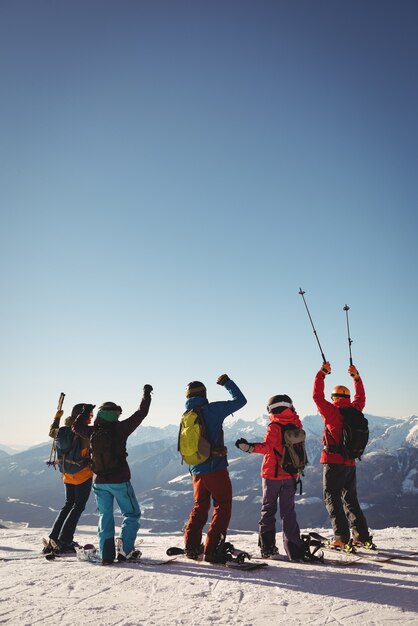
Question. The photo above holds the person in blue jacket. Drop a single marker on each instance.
(211, 478)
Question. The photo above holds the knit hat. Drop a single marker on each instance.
(196, 389)
(109, 411)
(277, 404)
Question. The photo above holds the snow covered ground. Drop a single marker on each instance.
(70, 592)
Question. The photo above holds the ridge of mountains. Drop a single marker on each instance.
(387, 478)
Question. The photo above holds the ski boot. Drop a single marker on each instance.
(341, 546)
(122, 556)
(367, 544)
(193, 553)
(267, 544)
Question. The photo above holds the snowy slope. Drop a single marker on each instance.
(186, 593)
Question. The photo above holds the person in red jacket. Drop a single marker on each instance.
(339, 472)
(279, 487)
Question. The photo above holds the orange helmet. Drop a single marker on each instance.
(340, 392)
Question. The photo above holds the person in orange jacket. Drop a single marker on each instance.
(339, 472)
(77, 492)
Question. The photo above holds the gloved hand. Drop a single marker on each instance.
(243, 445)
(353, 371)
(58, 415)
(222, 379)
(148, 389)
(326, 368)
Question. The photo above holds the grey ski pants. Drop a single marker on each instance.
(281, 492)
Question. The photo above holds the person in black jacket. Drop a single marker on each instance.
(112, 475)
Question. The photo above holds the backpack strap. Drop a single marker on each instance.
(335, 448)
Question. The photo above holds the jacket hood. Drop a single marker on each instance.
(194, 403)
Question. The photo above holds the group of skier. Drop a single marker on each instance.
(104, 443)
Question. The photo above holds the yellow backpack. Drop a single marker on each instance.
(193, 443)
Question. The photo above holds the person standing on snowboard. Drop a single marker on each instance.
(112, 475)
(77, 491)
(339, 471)
(211, 478)
(279, 487)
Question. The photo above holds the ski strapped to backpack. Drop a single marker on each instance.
(193, 441)
(53, 454)
(108, 452)
(355, 434)
(294, 458)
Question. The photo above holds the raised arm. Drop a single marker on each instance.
(129, 425)
(53, 429)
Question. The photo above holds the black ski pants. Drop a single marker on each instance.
(341, 502)
(76, 497)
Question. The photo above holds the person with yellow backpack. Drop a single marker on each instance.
(201, 444)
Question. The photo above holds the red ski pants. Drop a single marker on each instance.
(218, 486)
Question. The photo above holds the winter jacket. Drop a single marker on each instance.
(85, 473)
(124, 429)
(214, 414)
(270, 467)
(333, 419)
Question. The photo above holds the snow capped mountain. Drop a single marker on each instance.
(387, 477)
(403, 432)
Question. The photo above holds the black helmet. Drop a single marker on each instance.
(277, 404)
(77, 409)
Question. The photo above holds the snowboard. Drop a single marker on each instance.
(236, 563)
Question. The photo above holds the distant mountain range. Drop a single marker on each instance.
(387, 478)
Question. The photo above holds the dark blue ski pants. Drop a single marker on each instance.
(76, 497)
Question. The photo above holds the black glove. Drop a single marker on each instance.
(326, 368)
(243, 445)
(222, 379)
(147, 389)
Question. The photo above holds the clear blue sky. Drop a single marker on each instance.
(173, 171)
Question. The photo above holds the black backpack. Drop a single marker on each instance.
(68, 447)
(108, 452)
(355, 434)
(294, 458)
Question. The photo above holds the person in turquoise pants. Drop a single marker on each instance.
(112, 475)
(124, 495)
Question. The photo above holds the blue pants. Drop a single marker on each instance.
(125, 497)
(76, 497)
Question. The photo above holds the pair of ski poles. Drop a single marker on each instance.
(346, 308)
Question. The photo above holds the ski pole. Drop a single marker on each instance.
(350, 341)
(60, 401)
(53, 448)
(302, 293)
